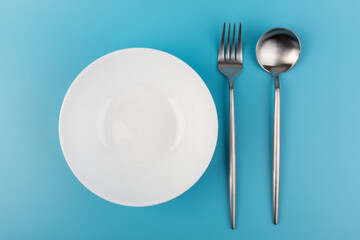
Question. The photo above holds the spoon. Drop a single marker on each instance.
(277, 51)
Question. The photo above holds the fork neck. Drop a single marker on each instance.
(231, 82)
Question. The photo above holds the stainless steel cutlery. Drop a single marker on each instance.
(277, 51)
(230, 62)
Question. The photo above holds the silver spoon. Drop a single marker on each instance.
(277, 51)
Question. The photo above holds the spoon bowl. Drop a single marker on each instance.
(278, 50)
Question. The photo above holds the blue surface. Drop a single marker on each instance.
(45, 44)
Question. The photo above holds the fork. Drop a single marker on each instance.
(230, 64)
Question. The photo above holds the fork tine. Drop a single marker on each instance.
(227, 56)
(233, 45)
(221, 48)
(239, 56)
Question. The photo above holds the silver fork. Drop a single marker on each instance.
(230, 64)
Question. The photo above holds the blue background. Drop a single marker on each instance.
(45, 44)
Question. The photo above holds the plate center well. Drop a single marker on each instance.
(141, 126)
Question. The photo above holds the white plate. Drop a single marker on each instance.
(138, 127)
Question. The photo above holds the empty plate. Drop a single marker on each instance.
(138, 127)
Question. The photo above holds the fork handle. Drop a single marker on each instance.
(232, 157)
(276, 149)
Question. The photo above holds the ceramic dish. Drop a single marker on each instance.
(138, 127)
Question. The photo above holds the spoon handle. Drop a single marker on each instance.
(276, 149)
(232, 157)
